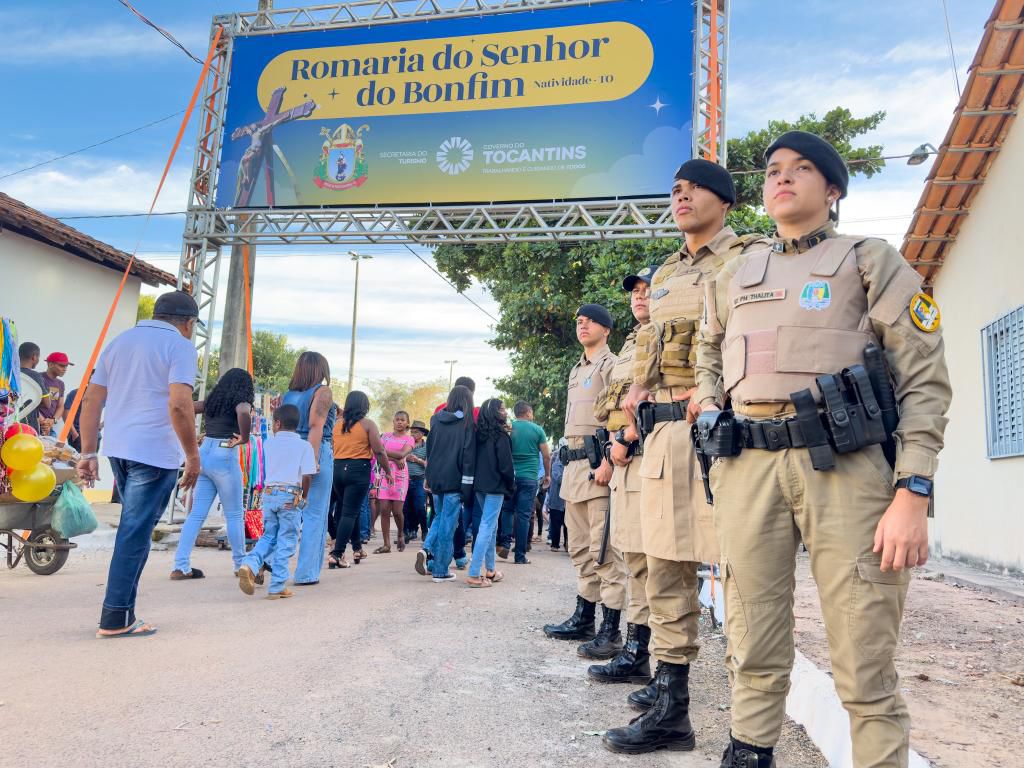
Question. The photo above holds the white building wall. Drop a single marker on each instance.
(60, 301)
(979, 502)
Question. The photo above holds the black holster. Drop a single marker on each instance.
(594, 449)
(644, 419)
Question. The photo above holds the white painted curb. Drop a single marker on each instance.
(813, 703)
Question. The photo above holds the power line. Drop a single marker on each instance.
(467, 298)
(952, 55)
(167, 35)
(93, 146)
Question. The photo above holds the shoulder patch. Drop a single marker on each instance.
(925, 313)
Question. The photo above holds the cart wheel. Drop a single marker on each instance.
(45, 561)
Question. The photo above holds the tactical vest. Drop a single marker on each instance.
(666, 352)
(794, 316)
(609, 404)
(586, 382)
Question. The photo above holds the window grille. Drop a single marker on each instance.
(1002, 344)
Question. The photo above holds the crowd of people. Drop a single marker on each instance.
(731, 334)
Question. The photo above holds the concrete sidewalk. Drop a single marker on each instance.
(375, 666)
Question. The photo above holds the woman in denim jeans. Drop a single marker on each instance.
(228, 415)
(451, 454)
(494, 479)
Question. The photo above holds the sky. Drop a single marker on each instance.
(81, 71)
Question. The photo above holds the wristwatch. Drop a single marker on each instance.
(917, 485)
(620, 438)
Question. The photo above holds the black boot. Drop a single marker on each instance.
(608, 641)
(740, 755)
(579, 626)
(643, 699)
(666, 725)
(632, 665)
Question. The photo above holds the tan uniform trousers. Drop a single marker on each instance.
(627, 536)
(765, 504)
(675, 610)
(637, 611)
(604, 583)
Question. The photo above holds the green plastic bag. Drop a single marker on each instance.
(72, 514)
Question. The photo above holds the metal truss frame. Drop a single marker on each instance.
(568, 220)
(710, 60)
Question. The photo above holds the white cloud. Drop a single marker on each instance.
(97, 186)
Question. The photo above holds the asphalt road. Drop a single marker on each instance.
(375, 666)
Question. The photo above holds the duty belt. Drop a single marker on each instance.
(773, 435)
(572, 454)
(649, 414)
(674, 411)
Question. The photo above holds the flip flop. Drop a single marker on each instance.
(132, 631)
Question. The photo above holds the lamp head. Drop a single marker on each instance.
(919, 155)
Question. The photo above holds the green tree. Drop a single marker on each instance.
(272, 361)
(145, 310)
(539, 286)
(418, 398)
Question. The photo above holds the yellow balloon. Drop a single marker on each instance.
(22, 452)
(34, 484)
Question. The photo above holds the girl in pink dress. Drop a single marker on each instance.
(391, 496)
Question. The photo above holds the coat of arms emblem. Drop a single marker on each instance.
(342, 163)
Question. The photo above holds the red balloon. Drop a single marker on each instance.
(19, 429)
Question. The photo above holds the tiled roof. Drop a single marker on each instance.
(27, 221)
(981, 121)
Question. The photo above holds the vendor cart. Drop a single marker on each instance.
(26, 533)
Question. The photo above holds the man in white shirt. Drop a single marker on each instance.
(144, 378)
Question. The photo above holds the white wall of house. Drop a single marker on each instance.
(60, 301)
(979, 502)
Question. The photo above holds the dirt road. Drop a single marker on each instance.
(376, 666)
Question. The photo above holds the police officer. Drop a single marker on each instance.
(676, 522)
(586, 497)
(778, 318)
(632, 664)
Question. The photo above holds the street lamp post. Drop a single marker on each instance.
(451, 368)
(355, 305)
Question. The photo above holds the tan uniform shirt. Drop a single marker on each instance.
(916, 358)
(609, 401)
(625, 482)
(666, 353)
(586, 380)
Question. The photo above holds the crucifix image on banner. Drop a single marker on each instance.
(262, 145)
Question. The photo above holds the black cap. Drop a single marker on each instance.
(819, 152)
(177, 303)
(598, 314)
(646, 274)
(710, 175)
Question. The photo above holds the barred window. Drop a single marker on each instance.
(1002, 344)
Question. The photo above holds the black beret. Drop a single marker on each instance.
(597, 313)
(646, 274)
(710, 175)
(819, 152)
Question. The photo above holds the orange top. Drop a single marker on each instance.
(354, 444)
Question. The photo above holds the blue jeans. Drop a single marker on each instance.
(277, 544)
(314, 521)
(220, 475)
(522, 506)
(483, 543)
(416, 506)
(364, 518)
(446, 518)
(145, 491)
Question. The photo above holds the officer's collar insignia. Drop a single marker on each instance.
(802, 244)
(924, 313)
(817, 295)
(779, 247)
(659, 293)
